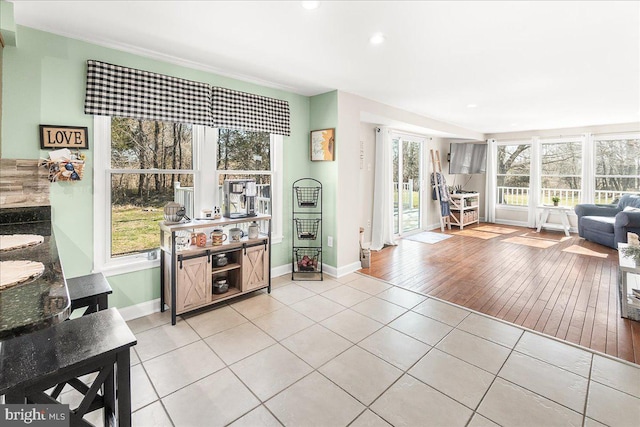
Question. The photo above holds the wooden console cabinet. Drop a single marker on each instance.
(188, 274)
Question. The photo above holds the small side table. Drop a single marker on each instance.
(544, 217)
(627, 266)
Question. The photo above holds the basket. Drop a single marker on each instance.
(307, 229)
(64, 170)
(307, 196)
(307, 259)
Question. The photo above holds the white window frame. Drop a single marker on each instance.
(577, 139)
(502, 206)
(422, 142)
(600, 138)
(277, 168)
(205, 179)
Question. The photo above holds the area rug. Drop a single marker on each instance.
(495, 229)
(472, 232)
(575, 249)
(428, 237)
(527, 241)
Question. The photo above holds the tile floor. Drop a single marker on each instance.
(357, 351)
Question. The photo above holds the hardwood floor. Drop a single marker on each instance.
(561, 286)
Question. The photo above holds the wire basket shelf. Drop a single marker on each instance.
(307, 196)
(308, 259)
(307, 229)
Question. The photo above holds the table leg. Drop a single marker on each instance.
(103, 302)
(544, 216)
(623, 293)
(565, 222)
(123, 360)
(109, 396)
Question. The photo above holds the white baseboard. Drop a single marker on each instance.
(347, 269)
(149, 307)
(329, 270)
(510, 222)
(281, 270)
(139, 310)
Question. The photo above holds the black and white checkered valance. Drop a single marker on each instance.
(233, 109)
(113, 90)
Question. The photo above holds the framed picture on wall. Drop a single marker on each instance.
(58, 136)
(322, 145)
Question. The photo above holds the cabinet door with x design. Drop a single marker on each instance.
(255, 272)
(194, 276)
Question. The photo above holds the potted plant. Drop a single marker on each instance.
(555, 200)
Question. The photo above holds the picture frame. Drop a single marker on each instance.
(58, 136)
(322, 145)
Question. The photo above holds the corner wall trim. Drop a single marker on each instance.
(140, 310)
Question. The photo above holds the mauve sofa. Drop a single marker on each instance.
(609, 224)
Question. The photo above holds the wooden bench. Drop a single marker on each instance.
(59, 355)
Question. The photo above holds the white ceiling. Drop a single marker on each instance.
(526, 65)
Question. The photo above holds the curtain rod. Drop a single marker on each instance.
(401, 132)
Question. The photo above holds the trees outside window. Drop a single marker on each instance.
(561, 172)
(246, 155)
(514, 174)
(148, 160)
(617, 168)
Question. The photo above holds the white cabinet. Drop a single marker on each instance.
(465, 209)
(188, 274)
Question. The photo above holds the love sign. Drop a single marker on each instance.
(52, 136)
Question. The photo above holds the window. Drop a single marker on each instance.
(561, 171)
(513, 174)
(617, 168)
(246, 155)
(140, 165)
(407, 169)
(148, 160)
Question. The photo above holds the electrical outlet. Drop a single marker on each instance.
(330, 241)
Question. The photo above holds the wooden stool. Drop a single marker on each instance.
(89, 291)
(60, 354)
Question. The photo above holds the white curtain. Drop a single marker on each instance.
(534, 182)
(492, 181)
(382, 225)
(588, 183)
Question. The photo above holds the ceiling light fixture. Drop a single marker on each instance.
(471, 105)
(377, 38)
(310, 5)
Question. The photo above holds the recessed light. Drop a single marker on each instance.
(471, 105)
(377, 38)
(310, 5)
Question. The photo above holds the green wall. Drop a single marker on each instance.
(44, 78)
(324, 115)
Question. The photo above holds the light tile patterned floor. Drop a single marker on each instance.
(357, 351)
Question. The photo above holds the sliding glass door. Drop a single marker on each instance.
(407, 178)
